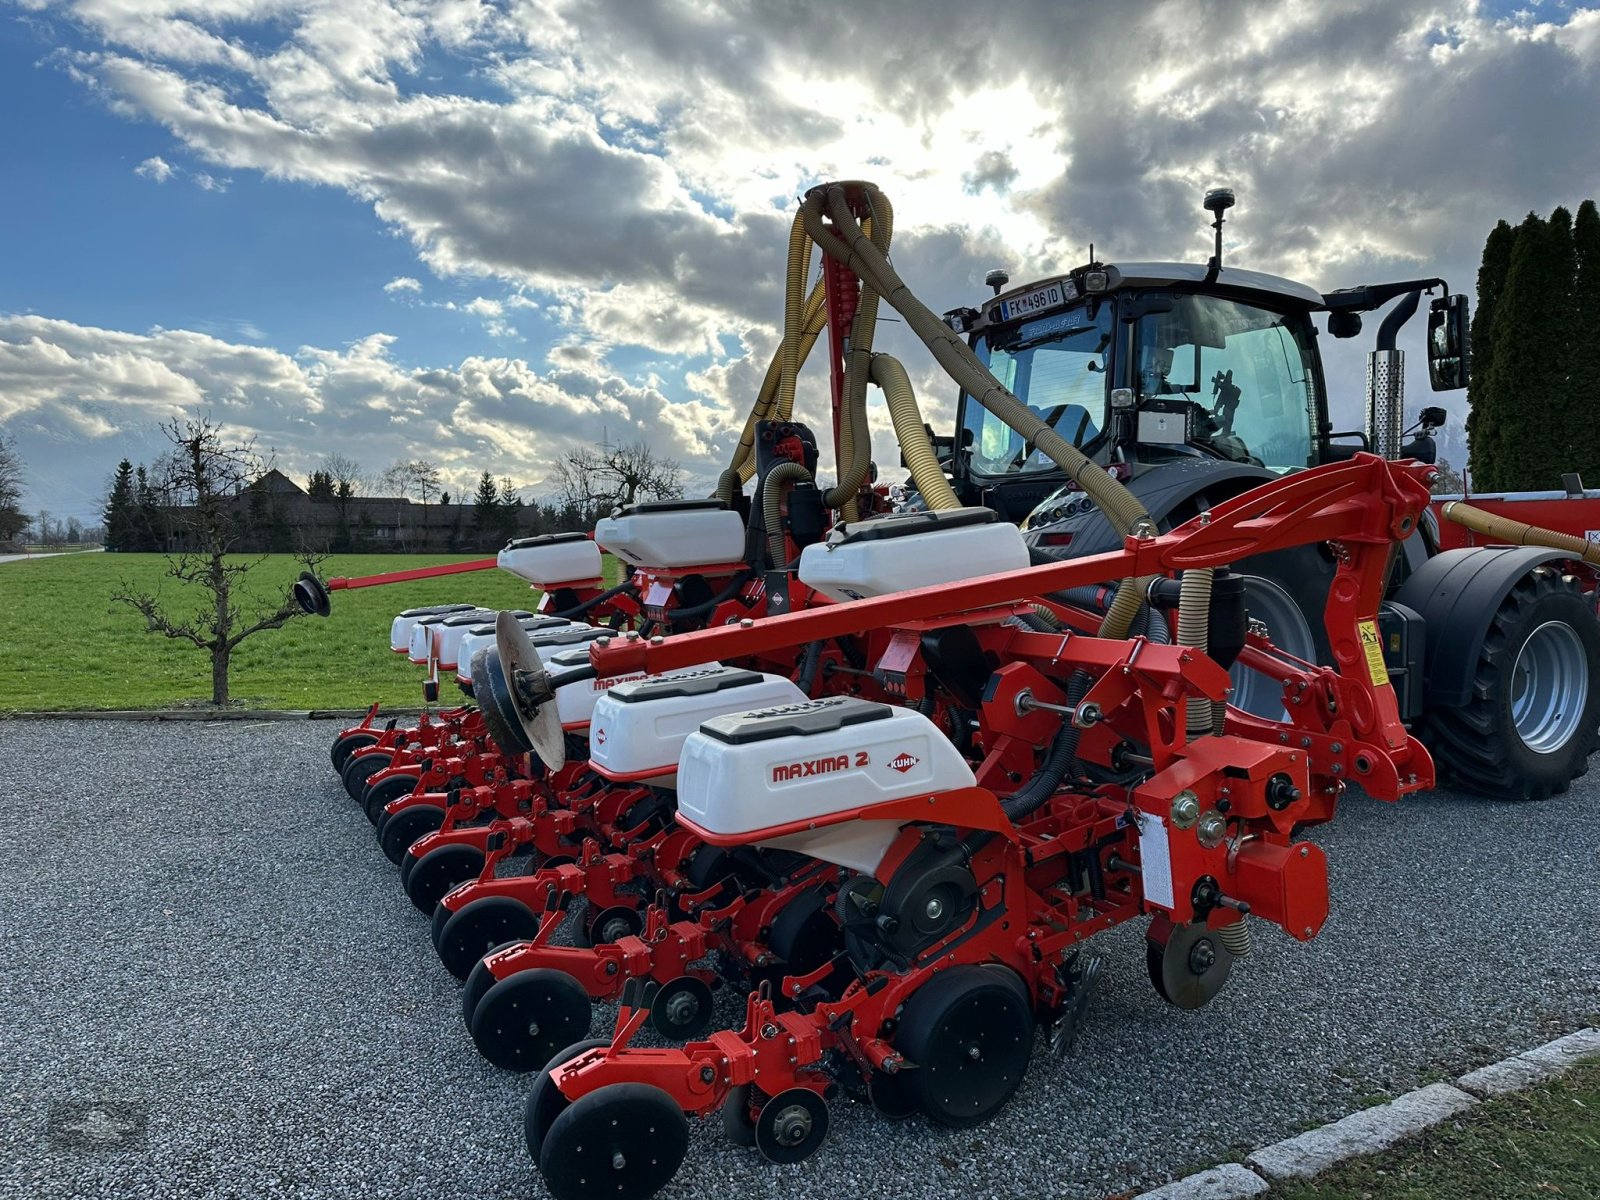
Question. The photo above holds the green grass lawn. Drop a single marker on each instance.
(1543, 1142)
(66, 646)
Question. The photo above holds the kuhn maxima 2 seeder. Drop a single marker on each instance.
(890, 771)
(1105, 781)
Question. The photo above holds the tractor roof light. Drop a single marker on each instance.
(960, 319)
(1095, 281)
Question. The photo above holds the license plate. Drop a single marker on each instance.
(1037, 300)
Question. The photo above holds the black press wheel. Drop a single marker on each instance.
(525, 1018)
(545, 1101)
(439, 871)
(359, 768)
(378, 795)
(478, 927)
(1529, 728)
(396, 832)
(1190, 969)
(969, 1030)
(681, 1008)
(792, 1126)
(347, 744)
(624, 1141)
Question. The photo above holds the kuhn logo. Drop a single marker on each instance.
(783, 772)
(903, 762)
(600, 737)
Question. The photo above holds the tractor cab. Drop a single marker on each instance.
(1149, 365)
(1141, 364)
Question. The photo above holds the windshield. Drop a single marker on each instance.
(1237, 374)
(1057, 367)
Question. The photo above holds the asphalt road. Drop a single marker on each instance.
(211, 985)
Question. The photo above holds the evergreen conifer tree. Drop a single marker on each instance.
(1483, 425)
(1527, 374)
(485, 512)
(118, 514)
(1584, 355)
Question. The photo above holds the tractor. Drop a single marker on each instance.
(1195, 383)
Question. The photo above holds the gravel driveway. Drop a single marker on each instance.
(211, 985)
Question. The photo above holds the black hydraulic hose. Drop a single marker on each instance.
(706, 607)
(961, 735)
(810, 660)
(577, 610)
(1063, 753)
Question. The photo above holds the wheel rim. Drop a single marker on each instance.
(1255, 693)
(1549, 687)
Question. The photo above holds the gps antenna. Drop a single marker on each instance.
(1217, 202)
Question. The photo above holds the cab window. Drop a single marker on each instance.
(1244, 372)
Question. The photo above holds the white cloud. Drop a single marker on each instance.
(634, 179)
(75, 393)
(155, 168)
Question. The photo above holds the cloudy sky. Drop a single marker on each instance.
(484, 232)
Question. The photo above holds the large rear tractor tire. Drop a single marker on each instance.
(1530, 725)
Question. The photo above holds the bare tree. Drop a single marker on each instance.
(1449, 479)
(348, 478)
(200, 483)
(600, 479)
(12, 519)
(425, 480)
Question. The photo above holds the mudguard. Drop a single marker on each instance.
(1161, 489)
(1456, 593)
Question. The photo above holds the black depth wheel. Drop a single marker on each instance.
(378, 795)
(624, 1141)
(892, 1095)
(792, 1126)
(407, 861)
(737, 1121)
(398, 831)
(613, 924)
(1191, 968)
(805, 934)
(478, 927)
(681, 1009)
(359, 768)
(439, 871)
(969, 1030)
(1529, 728)
(525, 1018)
(545, 1101)
(347, 744)
(479, 981)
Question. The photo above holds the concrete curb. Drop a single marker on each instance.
(1375, 1129)
(207, 716)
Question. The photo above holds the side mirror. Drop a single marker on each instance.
(1448, 353)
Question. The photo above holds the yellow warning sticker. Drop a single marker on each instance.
(1372, 644)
